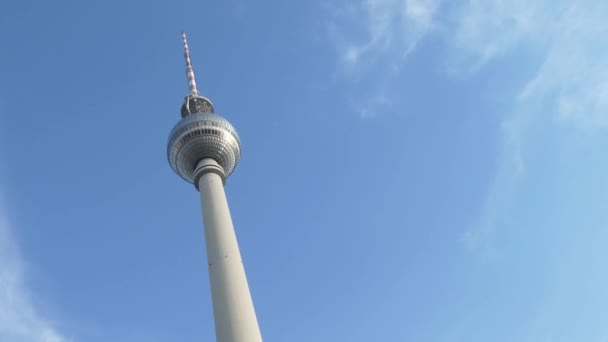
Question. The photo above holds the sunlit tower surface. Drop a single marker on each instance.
(204, 149)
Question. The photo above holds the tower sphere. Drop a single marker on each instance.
(202, 135)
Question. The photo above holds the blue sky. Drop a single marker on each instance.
(413, 170)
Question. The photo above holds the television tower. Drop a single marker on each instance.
(203, 149)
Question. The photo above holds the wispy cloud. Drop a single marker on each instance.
(570, 88)
(372, 39)
(385, 27)
(485, 30)
(558, 43)
(19, 319)
(567, 35)
(575, 71)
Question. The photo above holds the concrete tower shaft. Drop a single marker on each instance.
(235, 319)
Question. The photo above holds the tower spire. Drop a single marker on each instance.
(193, 103)
(189, 69)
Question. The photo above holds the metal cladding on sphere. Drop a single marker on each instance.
(199, 136)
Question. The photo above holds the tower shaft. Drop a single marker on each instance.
(235, 319)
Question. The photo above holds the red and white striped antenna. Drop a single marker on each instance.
(189, 69)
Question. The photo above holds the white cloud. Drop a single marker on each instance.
(372, 39)
(488, 29)
(369, 107)
(575, 71)
(367, 31)
(564, 38)
(570, 88)
(19, 319)
(567, 35)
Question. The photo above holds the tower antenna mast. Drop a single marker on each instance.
(189, 68)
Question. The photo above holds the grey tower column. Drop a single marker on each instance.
(235, 319)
